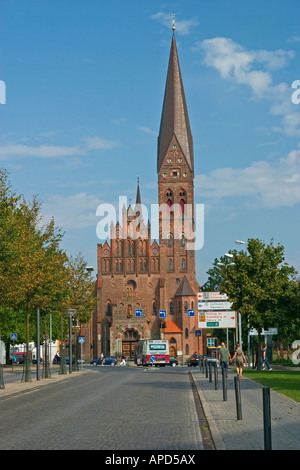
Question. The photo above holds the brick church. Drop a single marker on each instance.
(139, 273)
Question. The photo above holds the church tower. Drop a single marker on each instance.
(138, 277)
(175, 167)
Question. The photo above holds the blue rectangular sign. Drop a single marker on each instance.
(162, 313)
(139, 312)
(197, 333)
(191, 312)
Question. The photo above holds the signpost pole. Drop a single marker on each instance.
(38, 358)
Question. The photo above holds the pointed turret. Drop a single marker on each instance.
(175, 119)
(138, 194)
(138, 204)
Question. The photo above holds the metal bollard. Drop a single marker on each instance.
(206, 369)
(238, 398)
(224, 383)
(216, 375)
(267, 418)
(210, 373)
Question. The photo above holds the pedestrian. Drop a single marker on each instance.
(102, 357)
(240, 360)
(123, 361)
(224, 357)
(264, 358)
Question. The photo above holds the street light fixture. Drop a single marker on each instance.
(226, 264)
(240, 242)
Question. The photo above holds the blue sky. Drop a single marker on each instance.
(84, 89)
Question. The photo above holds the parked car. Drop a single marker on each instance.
(108, 361)
(193, 360)
(173, 361)
(79, 361)
(34, 361)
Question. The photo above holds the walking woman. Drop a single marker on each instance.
(240, 360)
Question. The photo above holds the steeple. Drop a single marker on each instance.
(174, 118)
(138, 207)
(138, 194)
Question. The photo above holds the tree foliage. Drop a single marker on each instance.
(81, 289)
(260, 283)
(261, 286)
(34, 270)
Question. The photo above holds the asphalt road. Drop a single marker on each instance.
(110, 408)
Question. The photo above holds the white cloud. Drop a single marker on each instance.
(97, 143)
(235, 62)
(146, 130)
(11, 150)
(263, 183)
(72, 212)
(294, 39)
(183, 27)
(253, 68)
(290, 117)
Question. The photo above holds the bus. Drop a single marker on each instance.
(152, 352)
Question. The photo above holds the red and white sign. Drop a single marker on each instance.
(211, 296)
(217, 319)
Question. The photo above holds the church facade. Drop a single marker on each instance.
(137, 277)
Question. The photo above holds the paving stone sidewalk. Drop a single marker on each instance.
(230, 433)
(18, 387)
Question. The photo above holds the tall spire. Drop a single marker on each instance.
(138, 194)
(174, 118)
(138, 203)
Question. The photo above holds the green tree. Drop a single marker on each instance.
(258, 284)
(81, 289)
(33, 269)
(216, 274)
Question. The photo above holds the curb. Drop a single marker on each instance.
(216, 436)
(15, 389)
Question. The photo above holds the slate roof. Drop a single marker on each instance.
(174, 118)
(184, 288)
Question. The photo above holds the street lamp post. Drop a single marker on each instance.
(228, 255)
(70, 313)
(231, 256)
(38, 355)
(241, 242)
(90, 269)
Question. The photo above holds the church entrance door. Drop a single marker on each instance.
(130, 338)
(128, 348)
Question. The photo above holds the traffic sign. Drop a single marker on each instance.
(152, 359)
(162, 313)
(214, 305)
(13, 336)
(217, 319)
(211, 296)
(81, 339)
(191, 312)
(197, 333)
(139, 312)
(269, 331)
